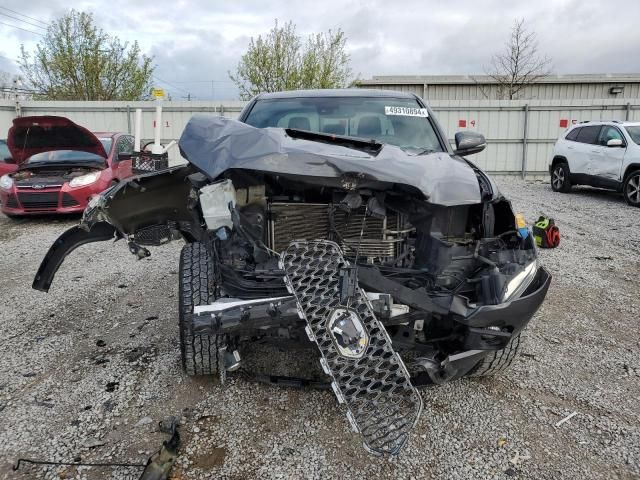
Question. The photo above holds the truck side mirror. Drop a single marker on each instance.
(468, 143)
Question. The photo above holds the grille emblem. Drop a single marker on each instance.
(348, 333)
(38, 186)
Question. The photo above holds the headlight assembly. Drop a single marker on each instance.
(6, 182)
(86, 179)
(520, 281)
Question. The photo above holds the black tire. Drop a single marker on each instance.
(631, 188)
(560, 178)
(497, 361)
(197, 287)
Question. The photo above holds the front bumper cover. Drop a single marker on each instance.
(491, 327)
(510, 317)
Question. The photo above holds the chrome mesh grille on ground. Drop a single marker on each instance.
(310, 221)
(39, 201)
(382, 404)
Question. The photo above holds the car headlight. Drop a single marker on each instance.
(6, 182)
(520, 281)
(83, 180)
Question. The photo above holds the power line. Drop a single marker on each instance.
(203, 81)
(155, 77)
(20, 28)
(24, 21)
(168, 83)
(25, 16)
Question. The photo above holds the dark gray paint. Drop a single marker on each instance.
(214, 145)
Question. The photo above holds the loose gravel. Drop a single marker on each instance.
(88, 370)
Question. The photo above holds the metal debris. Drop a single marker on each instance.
(566, 419)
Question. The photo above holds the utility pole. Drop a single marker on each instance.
(18, 107)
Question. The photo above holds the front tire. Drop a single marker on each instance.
(631, 189)
(497, 361)
(200, 353)
(560, 181)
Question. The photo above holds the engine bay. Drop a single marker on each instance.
(467, 250)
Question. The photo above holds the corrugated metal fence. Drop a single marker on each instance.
(520, 134)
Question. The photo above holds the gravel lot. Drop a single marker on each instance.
(582, 354)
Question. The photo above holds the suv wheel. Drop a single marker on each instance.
(560, 181)
(200, 353)
(631, 189)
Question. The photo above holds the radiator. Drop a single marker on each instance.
(310, 221)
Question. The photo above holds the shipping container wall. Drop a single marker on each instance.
(501, 121)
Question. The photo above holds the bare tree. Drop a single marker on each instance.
(519, 64)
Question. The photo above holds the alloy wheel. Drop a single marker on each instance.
(557, 179)
(633, 189)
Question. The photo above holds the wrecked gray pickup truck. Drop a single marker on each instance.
(342, 216)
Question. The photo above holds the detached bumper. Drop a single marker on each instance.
(491, 327)
(486, 328)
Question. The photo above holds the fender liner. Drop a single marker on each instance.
(64, 245)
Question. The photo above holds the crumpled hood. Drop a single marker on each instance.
(215, 144)
(31, 135)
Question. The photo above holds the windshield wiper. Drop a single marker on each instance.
(371, 146)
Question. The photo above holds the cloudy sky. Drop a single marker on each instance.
(196, 42)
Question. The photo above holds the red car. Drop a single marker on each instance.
(60, 165)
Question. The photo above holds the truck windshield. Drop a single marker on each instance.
(396, 121)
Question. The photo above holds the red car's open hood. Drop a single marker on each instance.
(31, 135)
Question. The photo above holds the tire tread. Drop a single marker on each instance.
(624, 188)
(498, 360)
(199, 352)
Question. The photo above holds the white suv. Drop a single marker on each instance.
(600, 154)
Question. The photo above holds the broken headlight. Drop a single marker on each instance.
(520, 281)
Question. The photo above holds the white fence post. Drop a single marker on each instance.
(524, 141)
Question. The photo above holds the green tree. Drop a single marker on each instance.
(282, 61)
(76, 60)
